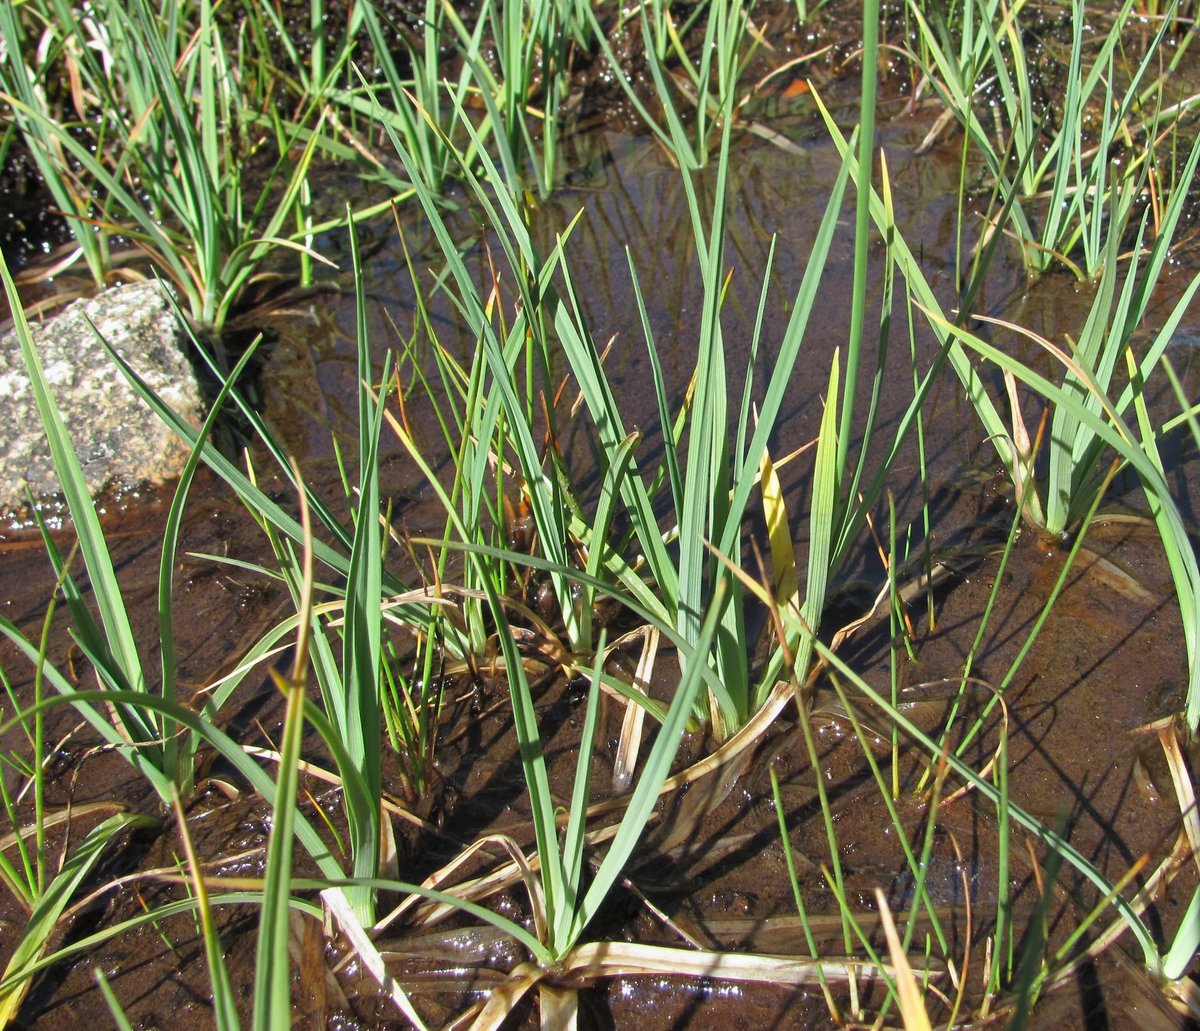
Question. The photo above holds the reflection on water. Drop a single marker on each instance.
(633, 214)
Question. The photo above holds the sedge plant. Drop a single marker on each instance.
(160, 133)
(1056, 183)
(148, 738)
(710, 81)
(1091, 424)
(714, 447)
(672, 586)
(153, 727)
(417, 104)
(532, 44)
(43, 886)
(350, 689)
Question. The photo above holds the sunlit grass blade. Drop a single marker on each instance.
(912, 1010)
(120, 1021)
(178, 756)
(225, 1015)
(598, 396)
(1182, 952)
(363, 620)
(573, 836)
(797, 895)
(595, 537)
(1181, 556)
(821, 539)
(92, 545)
(645, 794)
(272, 981)
(862, 223)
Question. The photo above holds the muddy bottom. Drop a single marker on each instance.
(712, 870)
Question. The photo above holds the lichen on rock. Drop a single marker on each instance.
(119, 440)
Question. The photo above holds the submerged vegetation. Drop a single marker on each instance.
(671, 577)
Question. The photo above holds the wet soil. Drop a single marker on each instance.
(711, 871)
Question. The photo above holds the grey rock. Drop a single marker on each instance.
(119, 440)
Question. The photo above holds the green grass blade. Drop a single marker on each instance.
(364, 589)
(106, 590)
(802, 308)
(821, 534)
(658, 766)
(862, 223)
(177, 760)
(573, 836)
(53, 901)
(584, 359)
(120, 1021)
(1182, 952)
(272, 975)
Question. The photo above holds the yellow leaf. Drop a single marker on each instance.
(783, 555)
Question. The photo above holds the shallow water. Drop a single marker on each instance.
(1108, 660)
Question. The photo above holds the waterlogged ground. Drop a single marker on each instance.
(711, 870)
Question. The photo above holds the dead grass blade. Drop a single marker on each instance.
(630, 740)
(504, 998)
(518, 870)
(335, 903)
(1181, 778)
(912, 1010)
(629, 959)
